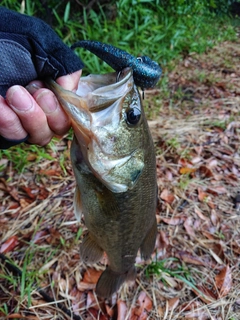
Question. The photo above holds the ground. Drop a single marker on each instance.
(194, 117)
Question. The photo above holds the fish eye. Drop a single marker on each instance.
(133, 115)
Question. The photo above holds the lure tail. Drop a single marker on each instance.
(146, 72)
(111, 281)
(114, 57)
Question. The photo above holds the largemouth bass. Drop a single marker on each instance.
(113, 160)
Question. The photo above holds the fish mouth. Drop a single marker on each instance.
(96, 112)
(95, 96)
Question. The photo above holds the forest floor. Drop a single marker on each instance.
(194, 117)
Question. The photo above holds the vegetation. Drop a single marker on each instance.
(161, 29)
(194, 273)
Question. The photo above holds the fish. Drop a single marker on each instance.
(146, 72)
(114, 164)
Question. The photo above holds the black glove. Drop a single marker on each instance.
(29, 50)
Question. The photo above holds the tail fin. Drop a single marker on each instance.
(110, 281)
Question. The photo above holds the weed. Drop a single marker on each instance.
(220, 235)
(173, 143)
(184, 181)
(217, 123)
(4, 309)
(19, 155)
(163, 270)
(78, 235)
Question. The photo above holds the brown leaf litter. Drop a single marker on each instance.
(196, 130)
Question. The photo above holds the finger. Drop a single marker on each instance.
(57, 119)
(35, 85)
(70, 81)
(32, 117)
(10, 125)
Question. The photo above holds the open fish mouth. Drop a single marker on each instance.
(97, 111)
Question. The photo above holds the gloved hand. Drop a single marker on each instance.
(31, 50)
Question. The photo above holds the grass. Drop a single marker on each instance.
(145, 28)
(163, 271)
(21, 157)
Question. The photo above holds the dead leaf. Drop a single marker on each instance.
(167, 196)
(91, 301)
(189, 258)
(205, 294)
(31, 157)
(144, 301)
(188, 227)
(214, 217)
(14, 193)
(9, 245)
(217, 190)
(205, 172)
(122, 309)
(95, 314)
(50, 172)
(79, 300)
(140, 312)
(236, 247)
(174, 221)
(16, 316)
(29, 192)
(39, 236)
(173, 303)
(54, 236)
(91, 276)
(200, 214)
(202, 196)
(162, 241)
(24, 202)
(217, 248)
(13, 205)
(186, 170)
(224, 281)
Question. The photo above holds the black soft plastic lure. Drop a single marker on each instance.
(146, 72)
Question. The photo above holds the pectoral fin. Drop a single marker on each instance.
(77, 204)
(148, 243)
(90, 252)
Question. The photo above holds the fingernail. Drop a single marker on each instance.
(47, 101)
(32, 88)
(18, 99)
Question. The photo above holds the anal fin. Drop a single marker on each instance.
(90, 251)
(148, 243)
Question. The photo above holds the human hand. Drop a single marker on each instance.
(35, 112)
(31, 50)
